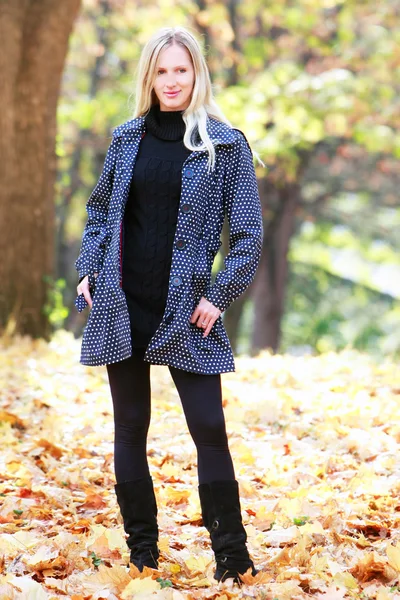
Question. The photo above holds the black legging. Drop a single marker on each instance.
(201, 398)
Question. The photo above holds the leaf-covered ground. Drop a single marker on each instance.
(315, 444)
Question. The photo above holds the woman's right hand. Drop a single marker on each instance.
(83, 288)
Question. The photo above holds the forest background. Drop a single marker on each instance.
(314, 85)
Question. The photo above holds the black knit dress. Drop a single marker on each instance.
(150, 220)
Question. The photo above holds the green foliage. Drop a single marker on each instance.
(300, 520)
(164, 582)
(324, 312)
(54, 308)
(96, 560)
(306, 75)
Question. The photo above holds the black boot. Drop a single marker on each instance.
(138, 508)
(220, 508)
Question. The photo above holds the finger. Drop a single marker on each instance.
(204, 321)
(87, 296)
(209, 327)
(81, 286)
(195, 315)
(200, 322)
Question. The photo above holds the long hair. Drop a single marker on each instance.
(202, 103)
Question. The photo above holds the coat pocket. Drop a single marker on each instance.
(197, 338)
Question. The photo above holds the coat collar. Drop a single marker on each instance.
(219, 132)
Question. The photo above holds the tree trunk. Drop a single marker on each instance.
(233, 317)
(233, 77)
(67, 252)
(34, 41)
(270, 281)
(233, 314)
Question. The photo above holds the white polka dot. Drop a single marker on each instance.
(231, 190)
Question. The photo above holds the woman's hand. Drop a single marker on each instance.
(83, 288)
(205, 314)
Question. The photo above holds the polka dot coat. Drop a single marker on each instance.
(231, 190)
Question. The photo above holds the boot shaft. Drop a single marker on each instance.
(221, 513)
(138, 506)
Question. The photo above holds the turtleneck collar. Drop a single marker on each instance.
(165, 124)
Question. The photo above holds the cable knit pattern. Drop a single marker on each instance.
(150, 221)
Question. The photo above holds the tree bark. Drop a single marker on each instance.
(67, 252)
(233, 314)
(270, 281)
(232, 6)
(34, 41)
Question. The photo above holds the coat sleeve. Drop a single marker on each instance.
(242, 207)
(92, 249)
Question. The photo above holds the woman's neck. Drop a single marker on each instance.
(165, 124)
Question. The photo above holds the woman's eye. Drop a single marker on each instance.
(161, 71)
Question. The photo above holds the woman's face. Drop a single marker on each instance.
(174, 73)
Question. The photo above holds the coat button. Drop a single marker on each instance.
(186, 207)
(180, 244)
(176, 280)
(188, 172)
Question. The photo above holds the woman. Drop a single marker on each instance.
(153, 230)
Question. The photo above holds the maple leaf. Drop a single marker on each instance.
(372, 566)
(141, 587)
(309, 512)
(147, 572)
(258, 578)
(393, 553)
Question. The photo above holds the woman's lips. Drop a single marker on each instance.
(171, 94)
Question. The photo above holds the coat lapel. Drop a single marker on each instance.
(132, 133)
(107, 334)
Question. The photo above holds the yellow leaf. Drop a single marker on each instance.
(393, 554)
(199, 582)
(163, 543)
(43, 556)
(115, 539)
(310, 528)
(175, 569)
(113, 579)
(21, 540)
(140, 587)
(197, 564)
(260, 577)
(346, 579)
(174, 496)
(243, 451)
(147, 572)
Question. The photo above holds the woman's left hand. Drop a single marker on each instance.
(205, 314)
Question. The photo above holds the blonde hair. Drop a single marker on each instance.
(202, 103)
